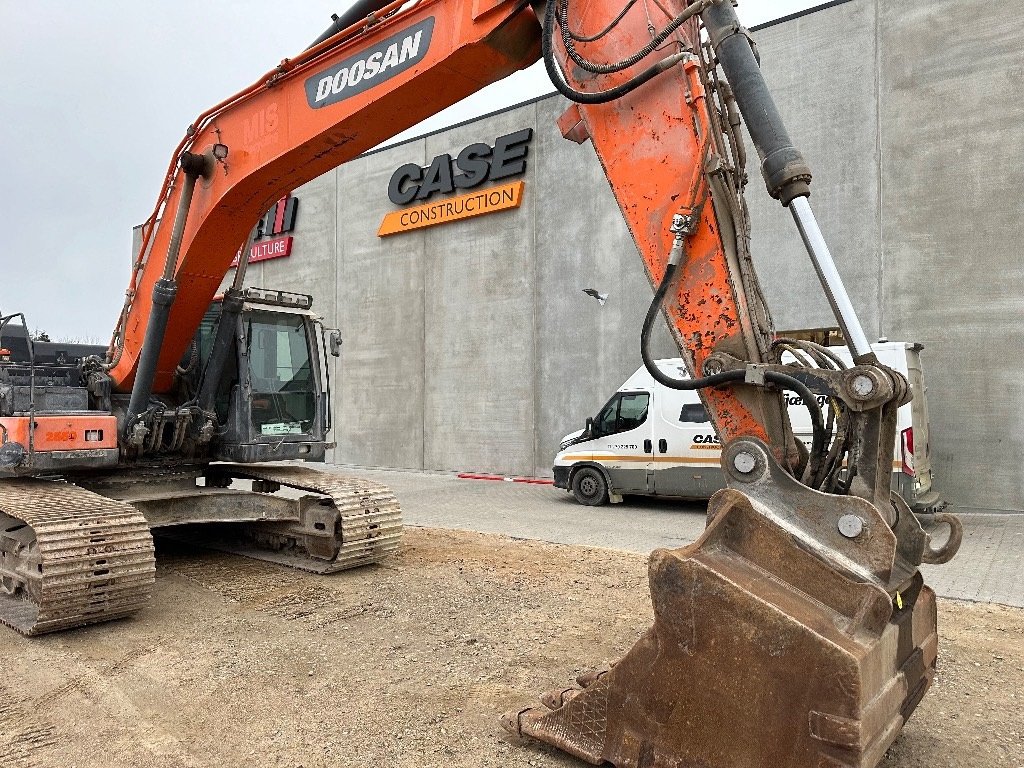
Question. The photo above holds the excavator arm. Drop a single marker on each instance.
(798, 630)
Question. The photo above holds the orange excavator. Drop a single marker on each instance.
(796, 632)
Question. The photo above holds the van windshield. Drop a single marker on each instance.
(624, 412)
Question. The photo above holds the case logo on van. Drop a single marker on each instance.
(361, 72)
(797, 400)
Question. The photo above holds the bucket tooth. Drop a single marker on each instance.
(587, 679)
(559, 697)
(762, 653)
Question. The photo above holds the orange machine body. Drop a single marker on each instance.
(654, 145)
(62, 432)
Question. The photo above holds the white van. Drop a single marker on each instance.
(652, 440)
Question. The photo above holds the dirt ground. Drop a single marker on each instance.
(410, 664)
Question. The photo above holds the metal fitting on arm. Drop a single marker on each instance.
(682, 227)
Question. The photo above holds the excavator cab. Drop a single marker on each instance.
(272, 400)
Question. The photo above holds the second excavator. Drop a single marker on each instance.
(796, 632)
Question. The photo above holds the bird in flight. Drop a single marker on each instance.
(601, 297)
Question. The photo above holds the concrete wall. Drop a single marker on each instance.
(471, 345)
(912, 117)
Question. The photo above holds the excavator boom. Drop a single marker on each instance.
(312, 113)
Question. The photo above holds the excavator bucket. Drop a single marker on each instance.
(762, 655)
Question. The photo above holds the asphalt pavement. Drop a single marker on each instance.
(989, 567)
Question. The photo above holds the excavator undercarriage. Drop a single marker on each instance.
(72, 555)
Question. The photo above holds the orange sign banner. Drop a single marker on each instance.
(466, 206)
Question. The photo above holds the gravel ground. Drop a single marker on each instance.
(243, 663)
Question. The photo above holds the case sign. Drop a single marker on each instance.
(474, 165)
(489, 200)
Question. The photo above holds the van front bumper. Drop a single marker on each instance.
(561, 477)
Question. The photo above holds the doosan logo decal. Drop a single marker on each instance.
(361, 72)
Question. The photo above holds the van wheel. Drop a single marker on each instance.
(589, 487)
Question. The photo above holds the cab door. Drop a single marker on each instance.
(622, 441)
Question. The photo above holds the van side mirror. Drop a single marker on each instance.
(334, 342)
(589, 431)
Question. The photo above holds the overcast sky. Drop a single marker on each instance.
(95, 96)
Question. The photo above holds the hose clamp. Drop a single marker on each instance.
(720, 35)
(755, 374)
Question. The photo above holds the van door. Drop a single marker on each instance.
(622, 441)
(687, 452)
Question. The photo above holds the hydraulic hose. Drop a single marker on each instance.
(597, 97)
(659, 376)
(594, 38)
(731, 377)
(636, 58)
(817, 420)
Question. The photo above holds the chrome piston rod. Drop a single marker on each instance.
(825, 266)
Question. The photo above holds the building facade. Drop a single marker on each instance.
(471, 345)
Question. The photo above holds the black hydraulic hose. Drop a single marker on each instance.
(730, 377)
(645, 338)
(598, 97)
(809, 347)
(817, 420)
(603, 32)
(636, 58)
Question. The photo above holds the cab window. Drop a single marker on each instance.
(624, 412)
(694, 413)
(283, 391)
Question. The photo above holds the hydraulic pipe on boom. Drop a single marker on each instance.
(165, 290)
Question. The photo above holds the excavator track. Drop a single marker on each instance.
(70, 557)
(366, 529)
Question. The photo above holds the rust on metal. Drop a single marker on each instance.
(350, 522)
